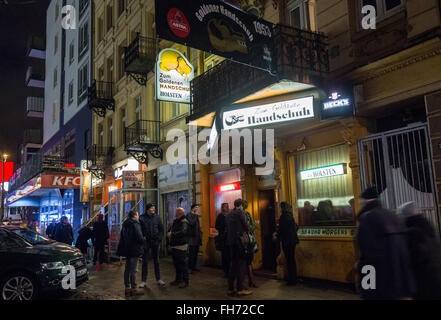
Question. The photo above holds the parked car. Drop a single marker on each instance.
(31, 264)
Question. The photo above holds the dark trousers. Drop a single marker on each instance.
(180, 260)
(192, 256)
(98, 254)
(289, 251)
(130, 272)
(226, 260)
(237, 269)
(150, 251)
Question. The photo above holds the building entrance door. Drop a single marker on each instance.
(267, 213)
(399, 164)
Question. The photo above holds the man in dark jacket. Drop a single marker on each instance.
(384, 267)
(131, 246)
(84, 235)
(178, 235)
(425, 253)
(64, 231)
(153, 231)
(237, 225)
(221, 238)
(195, 237)
(287, 234)
(50, 230)
(99, 240)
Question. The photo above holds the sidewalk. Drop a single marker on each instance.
(107, 284)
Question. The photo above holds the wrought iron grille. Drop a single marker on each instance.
(140, 58)
(100, 97)
(142, 132)
(299, 56)
(99, 157)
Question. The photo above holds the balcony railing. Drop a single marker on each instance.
(35, 78)
(140, 58)
(298, 56)
(34, 106)
(28, 171)
(143, 138)
(100, 97)
(36, 47)
(32, 136)
(98, 159)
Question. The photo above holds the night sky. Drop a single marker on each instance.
(18, 20)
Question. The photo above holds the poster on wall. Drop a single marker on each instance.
(173, 75)
(217, 27)
(133, 180)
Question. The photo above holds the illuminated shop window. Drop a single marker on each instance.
(324, 187)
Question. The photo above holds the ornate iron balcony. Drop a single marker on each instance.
(298, 56)
(143, 138)
(100, 97)
(99, 158)
(140, 58)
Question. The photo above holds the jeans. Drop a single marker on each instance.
(226, 260)
(192, 256)
(180, 260)
(237, 269)
(130, 272)
(154, 247)
(289, 251)
(98, 254)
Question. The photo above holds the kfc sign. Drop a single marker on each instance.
(61, 181)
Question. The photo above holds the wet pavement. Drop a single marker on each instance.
(208, 284)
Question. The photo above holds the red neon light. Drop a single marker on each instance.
(68, 165)
(9, 170)
(228, 187)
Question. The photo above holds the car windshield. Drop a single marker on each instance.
(31, 236)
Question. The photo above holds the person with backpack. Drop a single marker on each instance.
(384, 255)
(287, 234)
(237, 234)
(221, 239)
(194, 238)
(131, 246)
(425, 253)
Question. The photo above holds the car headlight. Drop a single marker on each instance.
(52, 265)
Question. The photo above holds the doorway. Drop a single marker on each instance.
(267, 213)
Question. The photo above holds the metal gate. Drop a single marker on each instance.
(399, 164)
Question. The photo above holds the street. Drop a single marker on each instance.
(107, 284)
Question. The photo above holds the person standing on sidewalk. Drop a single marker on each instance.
(64, 231)
(287, 234)
(99, 240)
(253, 246)
(153, 231)
(237, 226)
(221, 238)
(195, 238)
(178, 236)
(131, 246)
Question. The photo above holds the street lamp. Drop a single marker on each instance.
(4, 158)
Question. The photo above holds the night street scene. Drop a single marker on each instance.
(234, 153)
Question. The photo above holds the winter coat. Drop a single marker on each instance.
(131, 242)
(100, 234)
(64, 233)
(83, 236)
(195, 234)
(50, 230)
(425, 256)
(221, 239)
(152, 227)
(179, 232)
(287, 232)
(236, 225)
(383, 245)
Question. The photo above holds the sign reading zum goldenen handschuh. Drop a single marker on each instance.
(266, 114)
(217, 27)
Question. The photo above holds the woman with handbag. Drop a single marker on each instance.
(253, 246)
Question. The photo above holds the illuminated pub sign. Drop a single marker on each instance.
(324, 172)
(173, 75)
(338, 105)
(228, 187)
(266, 114)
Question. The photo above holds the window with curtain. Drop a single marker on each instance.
(324, 187)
